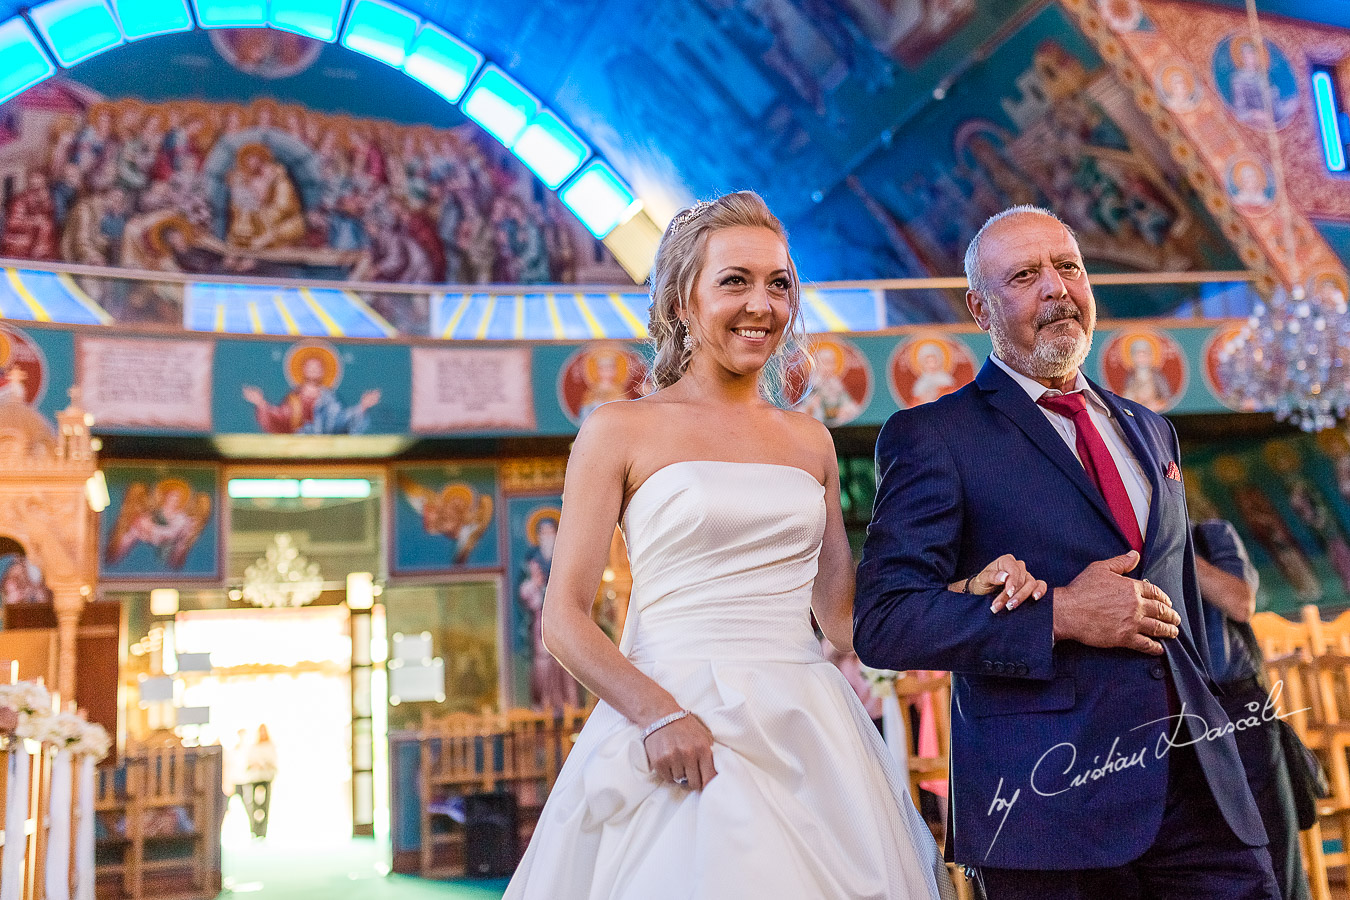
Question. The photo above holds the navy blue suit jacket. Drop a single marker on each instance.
(1050, 767)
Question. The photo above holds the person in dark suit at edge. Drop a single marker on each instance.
(1228, 583)
(1089, 758)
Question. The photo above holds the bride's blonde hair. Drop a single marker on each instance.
(680, 259)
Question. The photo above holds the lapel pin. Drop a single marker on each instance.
(1128, 413)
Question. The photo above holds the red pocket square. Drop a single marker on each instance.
(1173, 472)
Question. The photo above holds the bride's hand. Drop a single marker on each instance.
(682, 749)
(1009, 576)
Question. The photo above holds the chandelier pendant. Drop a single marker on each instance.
(282, 576)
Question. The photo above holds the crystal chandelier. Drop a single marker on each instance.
(282, 577)
(1291, 359)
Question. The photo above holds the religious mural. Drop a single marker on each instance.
(262, 187)
(1066, 135)
(540, 682)
(23, 384)
(928, 366)
(21, 580)
(597, 374)
(1289, 498)
(162, 522)
(1146, 366)
(311, 406)
(839, 385)
(1239, 68)
(444, 518)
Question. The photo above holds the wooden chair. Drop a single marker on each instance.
(934, 688)
(1279, 636)
(459, 754)
(160, 781)
(454, 760)
(110, 802)
(1316, 678)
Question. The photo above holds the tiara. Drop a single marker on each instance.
(685, 216)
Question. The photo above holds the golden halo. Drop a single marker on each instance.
(260, 151)
(840, 354)
(6, 349)
(1332, 442)
(1235, 50)
(1126, 343)
(303, 353)
(1166, 72)
(1336, 279)
(1244, 164)
(459, 492)
(920, 348)
(1230, 469)
(1281, 456)
(545, 513)
(156, 234)
(167, 486)
(590, 366)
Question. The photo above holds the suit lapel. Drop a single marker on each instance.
(1148, 461)
(1007, 397)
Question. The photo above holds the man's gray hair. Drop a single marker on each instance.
(974, 274)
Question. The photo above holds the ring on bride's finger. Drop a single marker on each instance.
(682, 781)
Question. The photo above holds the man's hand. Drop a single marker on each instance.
(1102, 608)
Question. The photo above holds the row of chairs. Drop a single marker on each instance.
(519, 752)
(160, 812)
(1309, 662)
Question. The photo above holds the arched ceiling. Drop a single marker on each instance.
(871, 126)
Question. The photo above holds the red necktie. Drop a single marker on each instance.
(1098, 464)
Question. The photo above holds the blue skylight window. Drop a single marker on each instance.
(600, 199)
(75, 30)
(500, 105)
(232, 13)
(442, 62)
(380, 30)
(22, 60)
(150, 18)
(318, 19)
(550, 149)
(1328, 120)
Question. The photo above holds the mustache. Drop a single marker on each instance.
(1058, 312)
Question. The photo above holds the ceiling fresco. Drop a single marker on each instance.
(881, 131)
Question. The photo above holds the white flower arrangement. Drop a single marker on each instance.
(33, 703)
(93, 740)
(881, 680)
(26, 698)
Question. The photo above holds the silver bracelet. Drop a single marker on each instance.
(663, 722)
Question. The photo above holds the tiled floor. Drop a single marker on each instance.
(355, 869)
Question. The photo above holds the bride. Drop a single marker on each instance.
(727, 760)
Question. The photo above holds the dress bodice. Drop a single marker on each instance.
(724, 557)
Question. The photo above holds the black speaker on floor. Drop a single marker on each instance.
(491, 838)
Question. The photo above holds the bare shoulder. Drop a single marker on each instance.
(808, 429)
(810, 433)
(609, 426)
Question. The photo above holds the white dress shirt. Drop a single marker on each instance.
(1137, 485)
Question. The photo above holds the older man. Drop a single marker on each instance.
(1090, 758)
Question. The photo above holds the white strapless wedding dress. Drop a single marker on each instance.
(807, 804)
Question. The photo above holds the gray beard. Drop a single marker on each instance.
(1048, 359)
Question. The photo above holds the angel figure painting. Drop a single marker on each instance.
(158, 527)
(444, 518)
